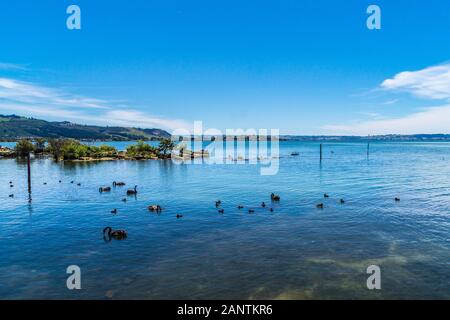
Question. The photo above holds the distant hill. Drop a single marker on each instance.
(13, 127)
(387, 137)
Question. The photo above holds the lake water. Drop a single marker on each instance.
(295, 252)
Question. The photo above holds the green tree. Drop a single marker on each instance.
(166, 146)
(55, 147)
(24, 147)
(39, 145)
(141, 149)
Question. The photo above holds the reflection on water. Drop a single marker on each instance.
(294, 252)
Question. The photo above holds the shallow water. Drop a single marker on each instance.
(295, 252)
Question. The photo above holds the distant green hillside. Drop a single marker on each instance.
(14, 127)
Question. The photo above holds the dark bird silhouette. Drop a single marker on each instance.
(179, 216)
(109, 233)
(218, 203)
(397, 199)
(45, 183)
(240, 207)
(59, 181)
(124, 199)
(221, 211)
(319, 206)
(114, 211)
(11, 186)
(342, 201)
(155, 207)
(325, 195)
(11, 196)
(274, 197)
(271, 209)
(104, 189)
(251, 211)
(118, 184)
(132, 191)
(78, 184)
(71, 181)
(263, 205)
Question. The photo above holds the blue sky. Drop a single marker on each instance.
(304, 67)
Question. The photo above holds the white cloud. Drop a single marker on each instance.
(430, 120)
(19, 91)
(11, 66)
(431, 83)
(40, 101)
(139, 119)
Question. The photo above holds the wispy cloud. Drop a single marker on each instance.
(18, 91)
(42, 101)
(139, 119)
(431, 83)
(390, 102)
(430, 120)
(11, 66)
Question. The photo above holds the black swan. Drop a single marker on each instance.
(104, 189)
(116, 234)
(275, 197)
(132, 191)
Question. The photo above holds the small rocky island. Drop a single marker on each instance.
(74, 150)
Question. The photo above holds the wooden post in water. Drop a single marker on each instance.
(29, 174)
(320, 152)
(368, 148)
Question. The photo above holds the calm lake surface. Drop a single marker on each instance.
(295, 252)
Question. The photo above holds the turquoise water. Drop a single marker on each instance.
(297, 251)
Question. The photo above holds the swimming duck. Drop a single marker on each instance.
(132, 191)
(218, 203)
(221, 211)
(251, 211)
(155, 207)
(45, 183)
(342, 201)
(116, 234)
(397, 199)
(319, 206)
(120, 184)
(78, 184)
(114, 211)
(124, 199)
(179, 216)
(274, 197)
(59, 181)
(104, 189)
(11, 196)
(325, 195)
(11, 186)
(71, 181)
(263, 205)
(240, 207)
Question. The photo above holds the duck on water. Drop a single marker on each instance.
(132, 191)
(109, 233)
